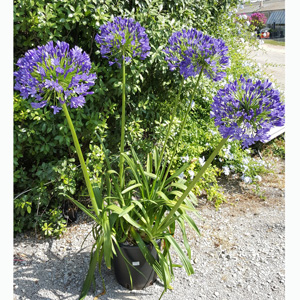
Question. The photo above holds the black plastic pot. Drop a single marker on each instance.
(134, 255)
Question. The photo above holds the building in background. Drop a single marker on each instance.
(274, 10)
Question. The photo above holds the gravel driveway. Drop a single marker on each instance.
(240, 255)
(272, 57)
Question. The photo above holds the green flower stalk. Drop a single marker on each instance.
(58, 76)
(123, 122)
(182, 126)
(121, 40)
(81, 159)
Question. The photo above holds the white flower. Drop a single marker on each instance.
(232, 167)
(245, 168)
(248, 23)
(192, 174)
(246, 179)
(258, 178)
(226, 170)
(181, 175)
(227, 151)
(245, 160)
(202, 161)
(242, 40)
(212, 131)
(185, 158)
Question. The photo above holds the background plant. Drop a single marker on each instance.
(258, 20)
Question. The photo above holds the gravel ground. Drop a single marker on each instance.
(272, 57)
(240, 254)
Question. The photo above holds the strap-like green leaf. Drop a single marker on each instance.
(107, 243)
(98, 196)
(90, 275)
(186, 262)
(177, 173)
(192, 223)
(147, 254)
(185, 239)
(118, 210)
(82, 207)
(131, 188)
(151, 175)
(149, 162)
(141, 171)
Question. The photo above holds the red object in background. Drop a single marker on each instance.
(265, 35)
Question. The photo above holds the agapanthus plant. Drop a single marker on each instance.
(146, 206)
(192, 51)
(194, 54)
(246, 110)
(58, 76)
(122, 39)
(54, 75)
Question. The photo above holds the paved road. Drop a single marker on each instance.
(273, 57)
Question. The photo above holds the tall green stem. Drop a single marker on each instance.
(182, 127)
(122, 124)
(81, 159)
(195, 180)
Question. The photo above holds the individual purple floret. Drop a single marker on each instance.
(190, 50)
(55, 75)
(122, 37)
(246, 110)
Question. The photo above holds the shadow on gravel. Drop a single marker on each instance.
(46, 275)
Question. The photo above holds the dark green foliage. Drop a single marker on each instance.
(45, 160)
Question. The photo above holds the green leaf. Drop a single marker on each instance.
(151, 175)
(131, 188)
(82, 207)
(186, 262)
(146, 253)
(90, 275)
(107, 243)
(118, 210)
(177, 173)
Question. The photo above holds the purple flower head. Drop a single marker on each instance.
(54, 75)
(191, 50)
(122, 38)
(246, 110)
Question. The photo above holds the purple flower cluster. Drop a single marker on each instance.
(122, 38)
(55, 74)
(191, 50)
(246, 110)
